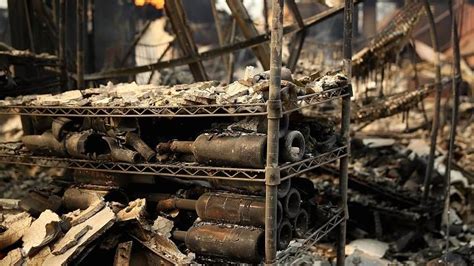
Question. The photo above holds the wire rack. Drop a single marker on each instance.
(255, 109)
(183, 170)
(313, 236)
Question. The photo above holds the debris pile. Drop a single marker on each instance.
(250, 90)
(84, 221)
(389, 221)
(212, 220)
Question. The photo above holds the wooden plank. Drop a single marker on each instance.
(240, 14)
(177, 17)
(298, 41)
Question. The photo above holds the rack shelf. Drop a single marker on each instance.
(183, 170)
(256, 109)
(313, 236)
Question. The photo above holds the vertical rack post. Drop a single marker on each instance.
(345, 123)
(80, 43)
(62, 43)
(274, 113)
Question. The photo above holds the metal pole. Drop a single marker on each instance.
(274, 109)
(454, 119)
(437, 107)
(80, 43)
(62, 43)
(345, 130)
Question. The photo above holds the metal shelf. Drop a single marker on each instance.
(336, 215)
(183, 170)
(256, 109)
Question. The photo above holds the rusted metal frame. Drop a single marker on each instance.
(80, 44)
(298, 41)
(319, 233)
(274, 109)
(135, 42)
(230, 62)
(62, 44)
(184, 36)
(177, 170)
(314, 235)
(345, 129)
(240, 14)
(437, 107)
(454, 116)
(291, 29)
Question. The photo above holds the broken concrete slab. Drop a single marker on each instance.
(39, 258)
(134, 211)
(76, 233)
(162, 226)
(359, 258)
(41, 232)
(370, 247)
(16, 226)
(85, 204)
(100, 223)
(79, 216)
(377, 142)
(165, 249)
(13, 258)
(9, 204)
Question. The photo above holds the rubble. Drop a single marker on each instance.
(200, 93)
(77, 238)
(134, 211)
(13, 257)
(14, 226)
(123, 253)
(41, 232)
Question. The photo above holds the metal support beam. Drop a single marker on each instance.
(184, 36)
(274, 109)
(240, 14)
(345, 129)
(80, 43)
(298, 41)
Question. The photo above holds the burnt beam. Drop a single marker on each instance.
(184, 37)
(240, 14)
(298, 40)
